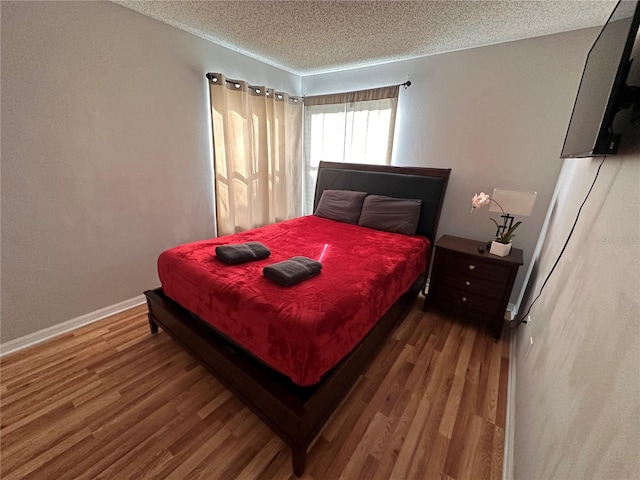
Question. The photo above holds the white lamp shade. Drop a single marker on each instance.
(513, 202)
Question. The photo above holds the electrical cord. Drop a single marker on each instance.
(523, 318)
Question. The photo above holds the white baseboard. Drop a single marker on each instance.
(510, 312)
(13, 346)
(509, 424)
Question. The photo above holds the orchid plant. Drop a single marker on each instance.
(503, 234)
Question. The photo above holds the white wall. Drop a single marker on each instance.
(577, 389)
(578, 386)
(496, 115)
(105, 153)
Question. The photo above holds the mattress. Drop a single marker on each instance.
(301, 331)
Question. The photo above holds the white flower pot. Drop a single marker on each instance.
(500, 249)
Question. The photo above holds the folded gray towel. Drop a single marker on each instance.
(292, 271)
(242, 252)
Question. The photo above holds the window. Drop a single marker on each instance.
(354, 127)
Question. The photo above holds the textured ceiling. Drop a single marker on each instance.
(307, 37)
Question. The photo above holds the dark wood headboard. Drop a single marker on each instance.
(426, 184)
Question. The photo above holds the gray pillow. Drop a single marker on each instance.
(398, 215)
(340, 205)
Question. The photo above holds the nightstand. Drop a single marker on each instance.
(473, 284)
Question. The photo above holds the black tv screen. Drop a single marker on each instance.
(603, 82)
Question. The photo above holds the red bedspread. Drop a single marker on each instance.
(304, 330)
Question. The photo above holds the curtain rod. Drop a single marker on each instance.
(323, 99)
(279, 95)
(406, 84)
(210, 76)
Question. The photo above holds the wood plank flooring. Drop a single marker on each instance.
(110, 400)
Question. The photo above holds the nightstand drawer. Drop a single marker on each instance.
(470, 301)
(461, 264)
(470, 284)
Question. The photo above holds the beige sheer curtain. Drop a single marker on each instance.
(257, 154)
(352, 127)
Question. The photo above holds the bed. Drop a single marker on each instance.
(291, 385)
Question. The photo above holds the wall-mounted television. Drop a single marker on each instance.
(603, 90)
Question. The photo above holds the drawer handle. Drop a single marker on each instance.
(467, 283)
(464, 299)
(471, 267)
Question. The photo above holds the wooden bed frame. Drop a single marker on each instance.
(294, 413)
